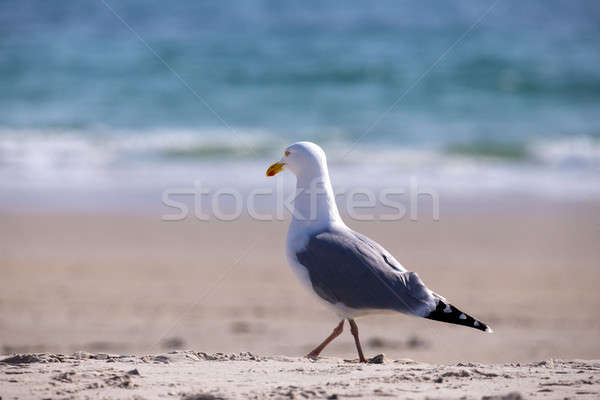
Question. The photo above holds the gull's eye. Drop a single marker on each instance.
(287, 153)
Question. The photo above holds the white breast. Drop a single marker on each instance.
(296, 242)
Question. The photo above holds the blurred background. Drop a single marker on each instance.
(105, 103)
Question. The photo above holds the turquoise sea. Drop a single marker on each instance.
(467, 96)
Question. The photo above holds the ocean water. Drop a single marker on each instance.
(467, 96)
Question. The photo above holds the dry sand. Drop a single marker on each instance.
(126, 284)
(200, 376)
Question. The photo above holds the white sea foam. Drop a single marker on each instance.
(39, 160)
(577, 151)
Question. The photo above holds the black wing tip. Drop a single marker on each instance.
(446, 312)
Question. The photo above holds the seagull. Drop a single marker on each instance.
(349, 272)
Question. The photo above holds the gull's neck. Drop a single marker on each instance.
(314, 205)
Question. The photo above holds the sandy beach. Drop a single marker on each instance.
(129, 306)
(200, 376)
(135, 284)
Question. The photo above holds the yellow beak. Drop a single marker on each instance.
(275, 169)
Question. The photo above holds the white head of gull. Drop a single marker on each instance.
(314, 204)
(347, 271)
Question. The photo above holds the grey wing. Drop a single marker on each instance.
(387, 257)
(349, 268)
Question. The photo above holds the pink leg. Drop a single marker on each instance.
(354, 330)
(336, 332)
